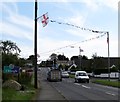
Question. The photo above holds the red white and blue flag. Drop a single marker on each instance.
(44, 19)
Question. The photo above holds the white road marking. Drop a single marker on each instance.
(77, 84)
(86, 87)
(83, 85)
(110, 93)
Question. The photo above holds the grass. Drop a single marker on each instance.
(103, 82)
(72, 76)
(11, 94)
(26, 95)
(107, 82)
(0, 94)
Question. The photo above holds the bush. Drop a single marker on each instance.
(7, 76)
(25, 78)
(99, 71)
(73, 69)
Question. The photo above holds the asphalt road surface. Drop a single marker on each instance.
(82, 91)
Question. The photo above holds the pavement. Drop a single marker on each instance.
(48, 92)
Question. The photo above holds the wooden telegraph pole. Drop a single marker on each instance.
(35, 47)
(108, 56)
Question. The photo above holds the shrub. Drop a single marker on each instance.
(25, 78)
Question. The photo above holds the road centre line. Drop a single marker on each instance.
(77, 84)
(86, 87)
(110, 93)
(83, 85)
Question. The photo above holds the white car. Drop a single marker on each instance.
(65, 74)
(81, 76)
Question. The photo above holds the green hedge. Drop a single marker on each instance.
(99, 71)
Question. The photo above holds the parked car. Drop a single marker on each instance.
(65, 74)
(81, 76)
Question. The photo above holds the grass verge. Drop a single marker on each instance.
(13, 95)
(72, 76)
(107, 82)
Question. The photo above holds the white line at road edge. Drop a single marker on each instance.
(110, 93)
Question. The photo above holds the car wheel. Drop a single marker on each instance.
(75, 80)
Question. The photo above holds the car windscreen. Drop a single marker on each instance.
(82, 74)
(64, 72)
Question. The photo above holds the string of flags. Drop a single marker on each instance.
(45, 19)
(78, 27)
(97, 37)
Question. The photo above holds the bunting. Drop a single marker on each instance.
(93, 31)
(71, 45)
(44, 19)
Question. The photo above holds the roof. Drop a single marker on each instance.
(80, 71)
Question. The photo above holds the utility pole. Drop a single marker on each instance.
(108, 57)
(80, 57)
(35, 48)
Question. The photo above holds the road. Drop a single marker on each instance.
(82, 91)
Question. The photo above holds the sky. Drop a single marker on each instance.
(17, 24)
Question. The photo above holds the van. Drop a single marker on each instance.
(54, 75)
(81, 76)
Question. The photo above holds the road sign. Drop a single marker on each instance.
(7, 69)
(15, 70)
(11, 65)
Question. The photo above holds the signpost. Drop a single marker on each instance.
(12, 70)
(8, 69)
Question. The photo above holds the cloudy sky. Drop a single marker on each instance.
(17, 25)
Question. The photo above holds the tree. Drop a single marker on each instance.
(31, 59)
(9, 46)
(22, 62)
(74, 57)
(8, 56)
(53, 56)
(84, 57)
(62, 57)
(8, 59)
